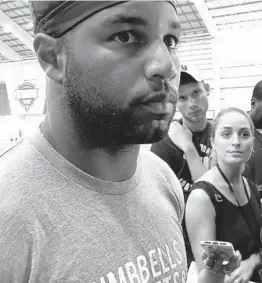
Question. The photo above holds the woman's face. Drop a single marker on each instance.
(233, 140)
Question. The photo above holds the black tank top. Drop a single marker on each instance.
(231, 220)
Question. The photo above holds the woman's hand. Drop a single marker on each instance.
(243, 273)
(215, 262)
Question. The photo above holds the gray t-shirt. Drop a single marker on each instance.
(59, 224)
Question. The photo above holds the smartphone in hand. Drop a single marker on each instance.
(219, 248)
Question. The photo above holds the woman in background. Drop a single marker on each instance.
(224, 206)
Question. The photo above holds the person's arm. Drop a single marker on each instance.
(254, 260)
(182, 138)
(200, 224)
(195, 165)
(245, 271)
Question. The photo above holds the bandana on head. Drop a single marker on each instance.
(56, 18)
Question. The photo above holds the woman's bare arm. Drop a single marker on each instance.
(201, 226)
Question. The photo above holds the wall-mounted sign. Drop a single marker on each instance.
(26, 94)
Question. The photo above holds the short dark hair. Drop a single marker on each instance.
(257, 91)
(185, 79)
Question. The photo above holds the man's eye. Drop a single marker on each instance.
(196, 93)
(126, 37)
(182, 98)
(170, 41)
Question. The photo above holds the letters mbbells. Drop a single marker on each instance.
(159, 265)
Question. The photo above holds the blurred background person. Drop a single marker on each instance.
(187, 146)
(253, 169)
(224, 205)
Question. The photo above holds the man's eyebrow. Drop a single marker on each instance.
(124, 19)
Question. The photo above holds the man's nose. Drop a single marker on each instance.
(161, 64)
(192, 103)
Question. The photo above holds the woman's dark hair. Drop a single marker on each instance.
(227, 111)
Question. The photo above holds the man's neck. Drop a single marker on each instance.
(195, 127)
(108, 164)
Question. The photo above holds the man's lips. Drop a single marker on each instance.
(160, 98)
(197, 112)
(160, 104)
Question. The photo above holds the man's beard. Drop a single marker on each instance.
(98, 120)
(257, 122)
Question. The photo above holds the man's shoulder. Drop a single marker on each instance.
(157, 165)
(15, 214)
(157, 162)
(160, 171)
(19, 169)
(9, 159)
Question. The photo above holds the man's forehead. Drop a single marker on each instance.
(140, 13)
(59, 17)
(128, 15)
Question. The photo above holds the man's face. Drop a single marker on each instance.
(193, 102)
(122, 73)
(256, 113)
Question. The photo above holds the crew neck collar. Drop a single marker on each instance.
(80, 177)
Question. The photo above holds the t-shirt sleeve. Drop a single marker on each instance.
(168, 152)
(180, 197)
(177, 192)
(15, 242)
(170, 182)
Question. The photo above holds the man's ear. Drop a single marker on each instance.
(207, 88)
(50, 56)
